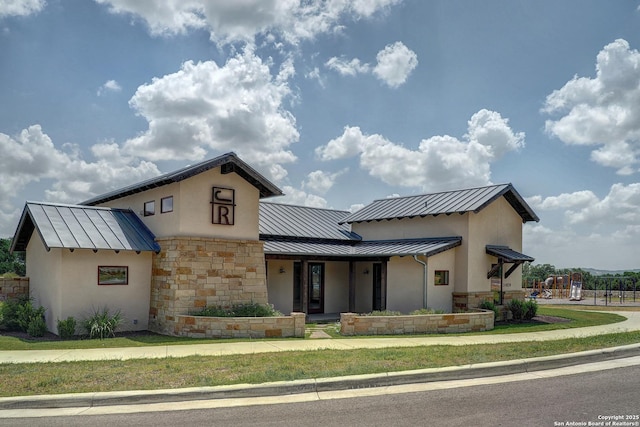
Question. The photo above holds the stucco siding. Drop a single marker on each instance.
(336, 281)
(192, 209)
(44, 270)
(280, 285)
(83, 295)
(497, 224)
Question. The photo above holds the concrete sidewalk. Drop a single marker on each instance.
(248, 347)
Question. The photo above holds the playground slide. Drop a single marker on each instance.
(576, 291)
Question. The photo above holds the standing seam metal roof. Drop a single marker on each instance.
(449, 202)
(83, 227)
(304, 222)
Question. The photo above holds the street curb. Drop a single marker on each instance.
(75, 400)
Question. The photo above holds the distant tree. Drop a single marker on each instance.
(537, 272)
(11, 263)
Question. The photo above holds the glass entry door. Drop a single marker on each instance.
(377, 286)
(316, 288)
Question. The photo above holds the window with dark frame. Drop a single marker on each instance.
(149, 208)
(166, 204)
(441, 278)
(113, 275)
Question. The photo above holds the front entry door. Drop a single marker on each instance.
(377, 286)
(316, 288)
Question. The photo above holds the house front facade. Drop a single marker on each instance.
(205, 235)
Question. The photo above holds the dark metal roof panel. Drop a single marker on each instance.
(304, 222)
(507, 254)
(448, 202)
(400, 247)
(83, 227)
(229, 162)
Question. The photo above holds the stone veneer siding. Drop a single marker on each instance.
(241, 327)
(463, 301)
(191, 273)
(13, 288)
(475, 321)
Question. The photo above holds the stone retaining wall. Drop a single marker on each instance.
(241, 327)
(472, 321)
(13, 288)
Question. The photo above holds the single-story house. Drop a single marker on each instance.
(203, 236)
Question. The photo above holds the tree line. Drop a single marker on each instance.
(627, 280)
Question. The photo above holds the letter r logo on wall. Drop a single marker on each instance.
(223, 206)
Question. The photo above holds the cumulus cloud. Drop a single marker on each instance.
(321, 181)
(31, 156)
(109, 86)
(604, 111)
(229, 21)
(237, 107)
(21, 7)
(394, 65)
(621, 206)
(294, 196)
(440, 162)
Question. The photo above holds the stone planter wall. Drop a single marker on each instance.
(240, 327)
(13, 288)
(472, 321)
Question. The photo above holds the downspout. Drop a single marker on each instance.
(424, 281)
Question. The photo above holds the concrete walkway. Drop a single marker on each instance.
(226, 348)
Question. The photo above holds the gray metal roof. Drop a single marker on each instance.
(448, 202)
(299, 221)
(228, 162)
(507, 254)
(83, 227)
(374, 248)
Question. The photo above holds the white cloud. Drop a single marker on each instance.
(237, 107)
(440, 162)
(109, 86)
(229, 21)
(395, 64)
(21, 7)
(346, 67)
(321, 181)
(604, 111)
(298, 197)
(620, 207)
(31, 156)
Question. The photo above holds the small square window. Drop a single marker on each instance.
(166, 204)
(149, 208)
(441, 278)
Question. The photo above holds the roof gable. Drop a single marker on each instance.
(228, 163)
(448, 202)
(83, 227)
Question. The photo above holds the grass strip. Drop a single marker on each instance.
(197, 371)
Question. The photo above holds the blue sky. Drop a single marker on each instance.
(338, 102)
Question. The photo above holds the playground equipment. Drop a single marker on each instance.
(576, 287)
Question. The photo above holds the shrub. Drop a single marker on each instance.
(37, 327)
(240, 310)
(9, 313)
(26, 313)
(426, 311)
(102, 324)
(67, 328)
(517, 309)
(383, 313)
(530, 309)
(489, 305)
